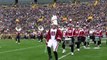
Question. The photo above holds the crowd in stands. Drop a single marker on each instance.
(30, 17)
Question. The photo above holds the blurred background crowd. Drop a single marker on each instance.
(92, 14)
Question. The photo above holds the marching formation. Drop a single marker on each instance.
(73, 25)
(71, 36)
(79, 35)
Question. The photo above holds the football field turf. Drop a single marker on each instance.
(34, 50)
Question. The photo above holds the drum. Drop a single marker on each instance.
(68, 41)
(97, 38)
(87, 39)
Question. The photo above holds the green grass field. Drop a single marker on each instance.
(34, 50)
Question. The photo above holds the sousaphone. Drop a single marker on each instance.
(40, 28)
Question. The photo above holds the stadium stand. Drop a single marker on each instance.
(30, 16)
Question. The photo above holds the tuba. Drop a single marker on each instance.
(18, 28)
(40, 28)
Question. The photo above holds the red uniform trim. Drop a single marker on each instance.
(58, 36)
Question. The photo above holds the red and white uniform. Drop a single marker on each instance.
(92, 32)
(81, 33)
(64, 33)
(70, 32)
(98, 33)
(18, 34)
(106, 33)
(86, 31)
(39, 33)
(76, 32)
(52, 38)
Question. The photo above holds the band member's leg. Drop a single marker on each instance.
(87, 44)
(72, 46)
(106, 40)
(84, 41)
(63, 47)
(33, 36)
(56, 55)
(41, 38)
(99, 42)
(37, 38)
(55, 47)
(93, 39)
(49, 44)
(78, 43)
(87, 41)
(49, 53)
(18, 39)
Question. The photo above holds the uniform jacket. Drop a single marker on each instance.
(58, 36)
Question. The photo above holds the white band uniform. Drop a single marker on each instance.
(53, 43)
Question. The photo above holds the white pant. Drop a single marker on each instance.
(53, 44)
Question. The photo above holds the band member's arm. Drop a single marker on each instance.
(47, 36)
(60, 35)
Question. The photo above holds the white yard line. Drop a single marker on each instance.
(75, 51)
(20, 49)
(64, 56)
(69, 53)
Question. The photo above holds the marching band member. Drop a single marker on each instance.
(18, 29)
(98, 36)
(40, 33)
(86, 30)
(106, 36)
(76, 33)
(40, 36)
(53, 36)
(81, 38)
(92, 35)
(63, 39)
(70, 35)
